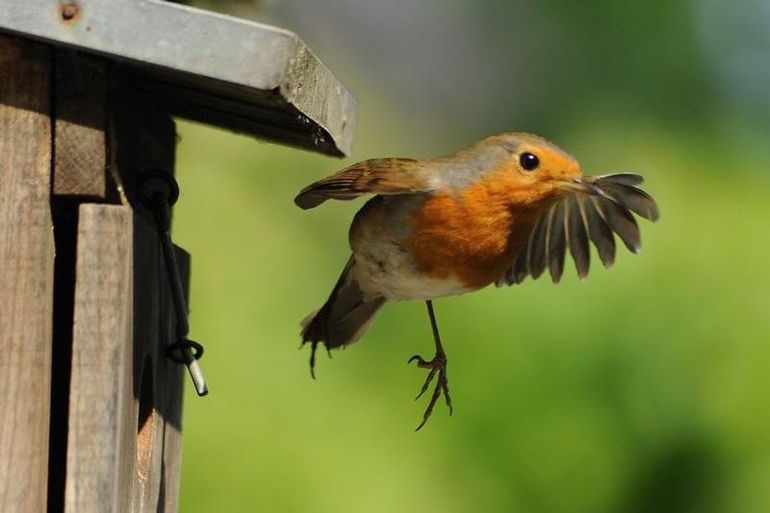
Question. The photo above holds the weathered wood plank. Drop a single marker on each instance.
(26, 274)
(80, 156)
(101, 415)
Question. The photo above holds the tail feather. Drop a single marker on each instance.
(344, 318)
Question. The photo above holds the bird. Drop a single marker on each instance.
(506, 207)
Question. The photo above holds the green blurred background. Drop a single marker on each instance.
(643, 389)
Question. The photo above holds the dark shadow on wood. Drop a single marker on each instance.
(146, 140)
(65, 226)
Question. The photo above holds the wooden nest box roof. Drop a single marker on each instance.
(223, 71)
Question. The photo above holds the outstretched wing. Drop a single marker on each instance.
(605, 208)
(377, 176)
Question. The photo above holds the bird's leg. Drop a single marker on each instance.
(437, 366)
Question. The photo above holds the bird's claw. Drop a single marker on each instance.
(437, 366)
(421, 362)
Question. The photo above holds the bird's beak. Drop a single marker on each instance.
(582, 184)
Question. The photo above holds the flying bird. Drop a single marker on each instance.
(507, 207)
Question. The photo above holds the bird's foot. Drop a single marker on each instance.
(437, 366)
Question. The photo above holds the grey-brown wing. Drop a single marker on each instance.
(578, 219)
(376, 176)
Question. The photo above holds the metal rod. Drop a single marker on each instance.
(162, 211)
(172, 268)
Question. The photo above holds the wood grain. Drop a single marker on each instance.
(81, 157)
(26, 274)
(102, 412)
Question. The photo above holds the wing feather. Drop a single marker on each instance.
(376, 176)
(632, 198)
(557, 241)
(579, 217)
(598, 231)
(537, 250)
(621, 178)
(621, 221)
(577, 237)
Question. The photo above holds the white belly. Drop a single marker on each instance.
(389, 272)
(383, 266)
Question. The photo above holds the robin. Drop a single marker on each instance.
(505, 208)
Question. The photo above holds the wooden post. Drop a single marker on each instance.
(26, 274)
(99, 447)
(116, 423)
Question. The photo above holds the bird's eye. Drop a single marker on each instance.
(528, 161)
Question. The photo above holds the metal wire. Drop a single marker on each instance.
(159, 191)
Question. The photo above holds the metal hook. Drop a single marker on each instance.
(158, 191)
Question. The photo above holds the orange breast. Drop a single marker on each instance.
(472, 235)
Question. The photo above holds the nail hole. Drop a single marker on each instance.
(69, 11)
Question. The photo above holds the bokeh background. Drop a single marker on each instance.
(644, 389)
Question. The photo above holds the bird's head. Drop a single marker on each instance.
(529, 173)
(536, 171)
(532, 169)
